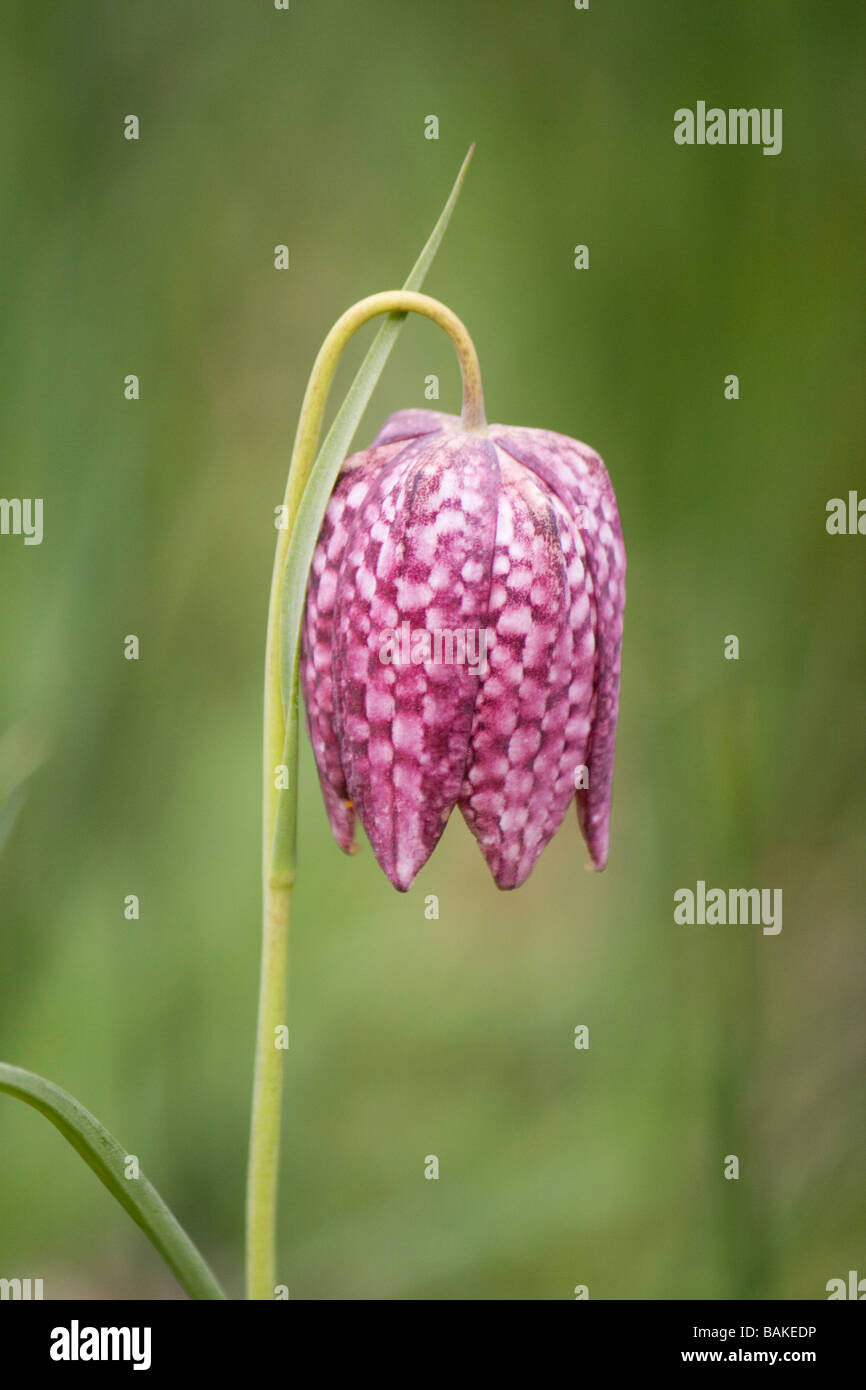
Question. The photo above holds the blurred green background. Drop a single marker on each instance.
(455, 1037)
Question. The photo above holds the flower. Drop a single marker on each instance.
(511, 536)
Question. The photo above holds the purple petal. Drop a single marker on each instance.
(419, 553)
(532, 714)
(353, 484)
(579, 478)
(409, 424)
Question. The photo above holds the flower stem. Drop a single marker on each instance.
(263, 1174)
(279, 817)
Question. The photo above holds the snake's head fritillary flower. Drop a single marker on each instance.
(461, 642)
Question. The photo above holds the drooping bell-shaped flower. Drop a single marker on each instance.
(461, 642)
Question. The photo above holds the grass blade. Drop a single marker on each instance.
(101, 1152)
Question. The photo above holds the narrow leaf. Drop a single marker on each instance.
(101, 1152)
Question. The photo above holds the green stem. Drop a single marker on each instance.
(264, 1162)
(279, 818)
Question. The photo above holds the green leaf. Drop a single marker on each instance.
(311, 513)
(101, 1152)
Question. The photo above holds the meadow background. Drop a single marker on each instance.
(455, 1036)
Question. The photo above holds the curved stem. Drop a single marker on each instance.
(325, 365)
(281, 750)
